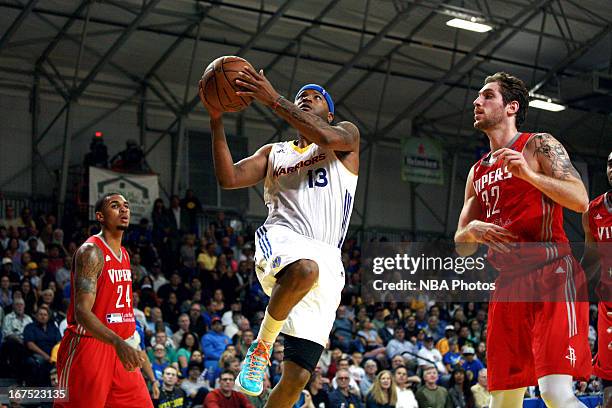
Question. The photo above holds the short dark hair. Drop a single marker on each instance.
(512, 89)
(100, 202)
(228, 372)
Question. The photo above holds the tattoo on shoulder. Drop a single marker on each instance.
(89, 264)
(550, 149)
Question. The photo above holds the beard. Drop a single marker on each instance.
(489, 122)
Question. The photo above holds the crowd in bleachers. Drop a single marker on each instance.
(199, 306)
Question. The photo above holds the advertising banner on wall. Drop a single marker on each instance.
(140, 190)
(422, 161)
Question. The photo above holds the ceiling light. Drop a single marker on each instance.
(469, 25)
(548, 105)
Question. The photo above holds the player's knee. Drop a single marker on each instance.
(303, 274)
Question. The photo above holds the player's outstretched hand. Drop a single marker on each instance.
(497, 238)
(256, 84)
(212, 112)
(129, 356)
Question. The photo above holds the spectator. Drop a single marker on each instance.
(482, 396)
(138, 271)
(431, 395)
(411, 329)
(342, 396)
(452, 358)
(170, 310)
(188, 345)
(40, 337)
(225, 396)
(183, 327)
(370, 339)
(342, 330)
(459, 392)
(62, 276)
(196, 321)
(383, 393)
(405, 396)
(357, 372)
(471, 365)
(170, 395)
(188, 253)
(192, 207)
(386, 333)
(442, 345)
(159, 361)
(131, 160)
(428, 355)
(317, 387)
(400, 346)
(343, 364)
(370, 367)
(6, 293)
(97, 155)
(195, 385)
(207, 260)
(175, 286)
(9, 221)
(25, 220)
(214, 343)
(162, 338)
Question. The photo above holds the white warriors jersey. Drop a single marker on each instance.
(309, 191)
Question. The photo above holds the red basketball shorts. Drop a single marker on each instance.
(95, 377)
(530, 340)
(603, 361)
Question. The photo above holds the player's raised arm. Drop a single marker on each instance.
(342, 137)
(557, 178)
(247, 172)
(471, 231)
(89, 264)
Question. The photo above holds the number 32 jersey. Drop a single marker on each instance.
(309, 191)
(113, 304)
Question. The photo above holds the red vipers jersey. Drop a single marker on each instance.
(113, 304)
(518, 206)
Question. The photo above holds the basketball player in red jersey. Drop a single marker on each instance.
(597, 224)
(516, 194)
(95, 362)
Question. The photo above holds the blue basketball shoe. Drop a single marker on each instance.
(251, 377)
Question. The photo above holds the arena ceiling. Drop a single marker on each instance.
(388, 63)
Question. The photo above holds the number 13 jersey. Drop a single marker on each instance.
(310, 191)
(513, 203)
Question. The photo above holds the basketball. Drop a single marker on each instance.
(218, 84)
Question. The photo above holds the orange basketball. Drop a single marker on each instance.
(218, 84)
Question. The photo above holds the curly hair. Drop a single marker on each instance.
(512, 89)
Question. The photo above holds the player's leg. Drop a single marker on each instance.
(85, 369)
(292, 284)
(508, 398)
(557, 392)
(299, 361)
(128, 389)
(291, 384)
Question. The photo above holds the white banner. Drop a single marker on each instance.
(140, 190)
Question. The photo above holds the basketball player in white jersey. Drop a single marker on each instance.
(309, 186)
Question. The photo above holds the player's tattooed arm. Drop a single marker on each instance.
(89, 264)
(557, 177)
(343, 136)
(553, 157)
